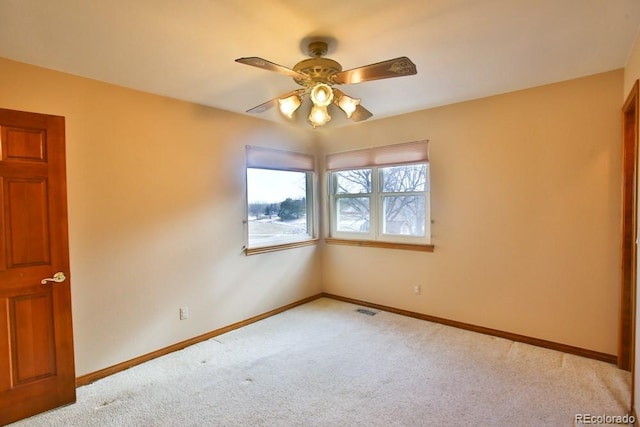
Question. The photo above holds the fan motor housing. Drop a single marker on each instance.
(318, 70)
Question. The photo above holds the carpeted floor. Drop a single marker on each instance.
(325, 364)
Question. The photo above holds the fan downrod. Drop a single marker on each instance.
(317, 49)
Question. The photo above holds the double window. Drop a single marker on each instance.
(380, 194)
(377, 197)
(280, 199)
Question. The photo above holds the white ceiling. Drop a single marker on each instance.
(463, 49)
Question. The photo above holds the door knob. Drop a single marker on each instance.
(57, 278)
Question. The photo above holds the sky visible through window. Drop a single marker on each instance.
(274, 186)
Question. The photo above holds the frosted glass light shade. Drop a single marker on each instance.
(319, 116)
(348, 104)
(289, 105)
(321, 95)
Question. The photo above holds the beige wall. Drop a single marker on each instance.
(632, 70)
(526, 210)
(156, 203)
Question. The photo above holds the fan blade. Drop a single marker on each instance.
(273, 102)
(397, 67)
(361, 114)
(263, 107)
(270, 66)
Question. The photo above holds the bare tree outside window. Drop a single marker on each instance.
(353, 212)
(404, 213)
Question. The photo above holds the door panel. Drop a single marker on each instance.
(36, 339)
(27, 222)
(23, 144)
(32, 336)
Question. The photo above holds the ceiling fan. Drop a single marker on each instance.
(318, 75)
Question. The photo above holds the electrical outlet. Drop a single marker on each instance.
(184, 313)
(417, 289)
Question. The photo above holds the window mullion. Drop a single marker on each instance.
(310, 205)
(376, 203)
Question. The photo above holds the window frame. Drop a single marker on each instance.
(286, 161)
(376, 159)
(376, 208)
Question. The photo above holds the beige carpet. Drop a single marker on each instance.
(325, 364)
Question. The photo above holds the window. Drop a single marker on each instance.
(280, 199)
(380, 194)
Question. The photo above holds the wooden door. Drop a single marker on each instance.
(628, 272)
(37, 370)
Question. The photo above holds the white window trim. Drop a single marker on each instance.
(376, 214)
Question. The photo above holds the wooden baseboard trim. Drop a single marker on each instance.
(95, 376)
(609, 358)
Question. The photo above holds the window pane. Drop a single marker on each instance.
(277, 206)
(404, 215)
(353, 181)
(397, 179)
(353, 214)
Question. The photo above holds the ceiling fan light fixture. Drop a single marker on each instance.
(289, 105)
(348, 104)
(318, 75)
(319, 116)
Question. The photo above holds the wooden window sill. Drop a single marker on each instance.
(273, 248)
(378, 244)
